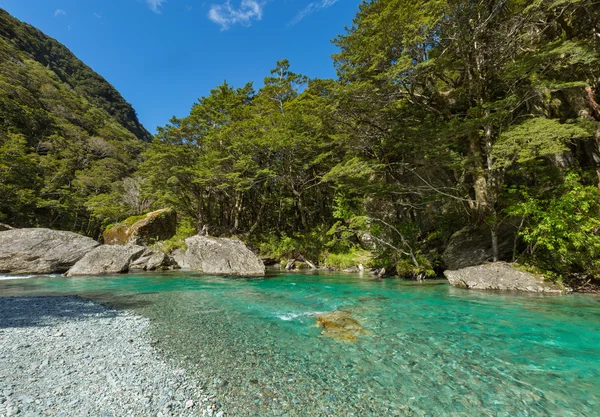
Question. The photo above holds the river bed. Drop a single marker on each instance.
(426, 349)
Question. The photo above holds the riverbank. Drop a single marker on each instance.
(67, 356)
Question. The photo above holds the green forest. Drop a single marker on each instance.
(446, 115)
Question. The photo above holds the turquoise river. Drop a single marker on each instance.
(428, 350)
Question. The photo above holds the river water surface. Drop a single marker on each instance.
(428, 349)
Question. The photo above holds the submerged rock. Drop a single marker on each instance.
(41, 251)
(153, 227)
(222, 256)
(340, 325)
(502, 276)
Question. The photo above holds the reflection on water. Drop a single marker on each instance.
(428, 349)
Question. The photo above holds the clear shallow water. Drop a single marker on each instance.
(432, 350)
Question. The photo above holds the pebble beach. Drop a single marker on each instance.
(68, 356)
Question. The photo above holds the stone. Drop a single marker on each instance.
(222, 256)
(340, 325)
(473, 246)
(179, 257)
(107, 259)
(502, 276)
(152, 260)
(41, 251)
(143, 230)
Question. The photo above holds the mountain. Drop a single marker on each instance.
(29, 42)
(67, 137)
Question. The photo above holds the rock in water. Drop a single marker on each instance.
(153, 227)
(152, 260)
(41, 251)
(107, 259)
(340, 325)
(222, 256)
(502, 276)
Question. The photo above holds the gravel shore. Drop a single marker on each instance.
(67, 356)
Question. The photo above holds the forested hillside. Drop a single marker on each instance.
(446, 116)
(67, 137)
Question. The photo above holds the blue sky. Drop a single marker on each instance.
(162, 55)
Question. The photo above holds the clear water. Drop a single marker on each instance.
(432, 350)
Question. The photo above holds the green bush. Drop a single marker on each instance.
(562, 230)
(185, 229)
(348, 260)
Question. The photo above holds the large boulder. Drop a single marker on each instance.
(152, 260)
(222, 256)
(473, 246)
(502, 276)
(107, 259)
(41, 251)
(143, 230)
(115, 259)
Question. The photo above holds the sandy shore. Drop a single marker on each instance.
(67, 356)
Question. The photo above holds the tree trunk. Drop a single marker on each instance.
(495, 250)
(479, 180)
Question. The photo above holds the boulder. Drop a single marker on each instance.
(143, 230)
(502, 276)
(222, 256)
(4, 227)
(107, 259)
(152, 260)
(473, 246)
(41, 251)
(179, 257)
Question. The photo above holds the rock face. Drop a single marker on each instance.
(153, 227)
(114, 259)
(41, 251)
(222, 256)
(501, 276)
(473, 246)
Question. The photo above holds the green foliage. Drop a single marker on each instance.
(67, 137)
(445, 114)
(350, 259)
(563, 229)
(310, 246)
(407, 269)
(185, 229)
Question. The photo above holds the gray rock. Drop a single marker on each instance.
(179, 257)
(222, 256)
(473, 246)
(502, 276)
(152, 260)
(41, 251)
(107, 259)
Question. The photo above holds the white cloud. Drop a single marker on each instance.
(311, 8)
(155, 5)
(59, 12)
(98, 15)
(226, 16)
